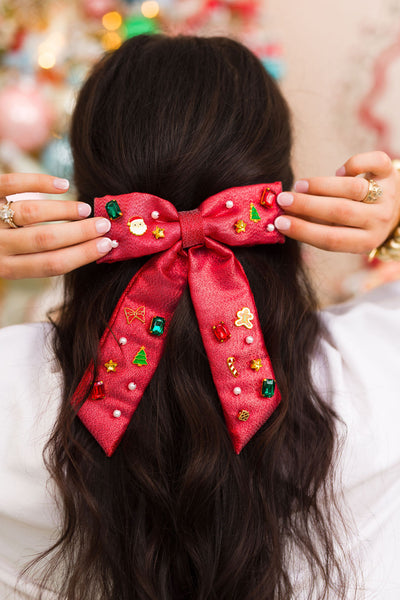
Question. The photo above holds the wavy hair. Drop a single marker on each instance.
(175, 514)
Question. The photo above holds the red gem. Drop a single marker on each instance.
(98, 391)
(267, 197)
(221, 332)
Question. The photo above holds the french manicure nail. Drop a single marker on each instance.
(285, 199)
(61, 184)
(282, 223)
(84, 210)
(104, 245)
(103, 225)
(301, 186)
(341, 171)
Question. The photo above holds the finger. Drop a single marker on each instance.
(55, 262)
(16, 183)
(377, 163)
(352, 188)
(43, 238)
(40, 211)
(335, 239)
(335, 211)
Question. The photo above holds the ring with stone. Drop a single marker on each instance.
(374, 192)
(7, 213)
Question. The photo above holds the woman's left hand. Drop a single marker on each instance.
(329, 212)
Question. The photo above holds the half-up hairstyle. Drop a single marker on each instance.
(175, 514)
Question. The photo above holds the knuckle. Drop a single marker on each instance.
(8, 179)
(43, 240)
(52, 266)
(29, 212)
(332, 241)
(359, 188)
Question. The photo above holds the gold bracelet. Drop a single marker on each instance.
(390, 249)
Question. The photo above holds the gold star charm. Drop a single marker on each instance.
(111, 365)
(158, 233)
(244, 317)
(256, 364)
(240, 226)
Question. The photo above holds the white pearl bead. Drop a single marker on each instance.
(237, 391)
(271, 227)
(132, 386)
(117, 414)
(114, 244)
(229, 204)
(155, 214)
(249, 339)
(122, 341)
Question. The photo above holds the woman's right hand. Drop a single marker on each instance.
(329, 212)
(42, 246)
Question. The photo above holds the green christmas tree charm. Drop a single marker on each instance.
(254, 216)
(140, 358)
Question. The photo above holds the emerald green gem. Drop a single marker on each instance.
(113, 210)
(268, 388)
(157, 326)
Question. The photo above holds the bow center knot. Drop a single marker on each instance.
(191, 222)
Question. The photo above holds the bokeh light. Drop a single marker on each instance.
(150, 9)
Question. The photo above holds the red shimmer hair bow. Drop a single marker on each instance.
(189, 247)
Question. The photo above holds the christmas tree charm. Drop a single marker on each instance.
(267, 197)
(254, 216)
(98, 392)
(243, 415)
(157, 326)
(111, 366)
(137, 226)
(158, 233)
(240, 226)
(140, 358)
(244, 317)
(268, 388)
(113, 210)
(221, 332)
(135, 313)
(256, 364)
(231, 367)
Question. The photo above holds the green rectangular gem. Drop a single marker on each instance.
(268, 388)
(157, 326)
(113, 210)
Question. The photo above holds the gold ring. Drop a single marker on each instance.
(7, 213)
(374, 192)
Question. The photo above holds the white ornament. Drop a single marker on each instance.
(229, 204)
(271, 227)
(117, 414)
(114, 244)
(132, 386)
(249, 339)
(237, 391)
(122, 341)
(155, 214)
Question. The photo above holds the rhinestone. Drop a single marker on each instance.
(122, 341)
(221, 332)
(157, 326)
(98, 391)
(271, 227)
(229, 204)
(117, 414)
(268, 388)
(237, 391)
(132, 386)
(249, 339)
(113, 209)
(155, 214)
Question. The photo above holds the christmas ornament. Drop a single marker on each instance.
(230, 360)
(137, 226)
(256, 364)
(244, 317)
(243, 415)
(57, 158)
(254, 216)
(240, 226)
(111, 366)
(158, 233)
(135, 313)
(140, 358)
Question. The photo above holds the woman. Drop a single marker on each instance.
(175, 513)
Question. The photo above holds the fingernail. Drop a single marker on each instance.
(61, 184)
(285, 199)
(282, 223)
(301, 186)
(103, 225)
(104, 245)
(84, 210)
(341, 171)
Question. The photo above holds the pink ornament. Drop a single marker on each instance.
(25, 116)
(98, 8)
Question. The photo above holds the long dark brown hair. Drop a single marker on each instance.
(175, 514)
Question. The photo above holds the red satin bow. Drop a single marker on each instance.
(130, 349)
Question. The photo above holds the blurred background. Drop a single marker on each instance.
(338, 65)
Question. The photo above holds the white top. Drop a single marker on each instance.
(360, 364)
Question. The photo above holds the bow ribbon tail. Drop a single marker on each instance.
(131, 348)
(233, 339)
